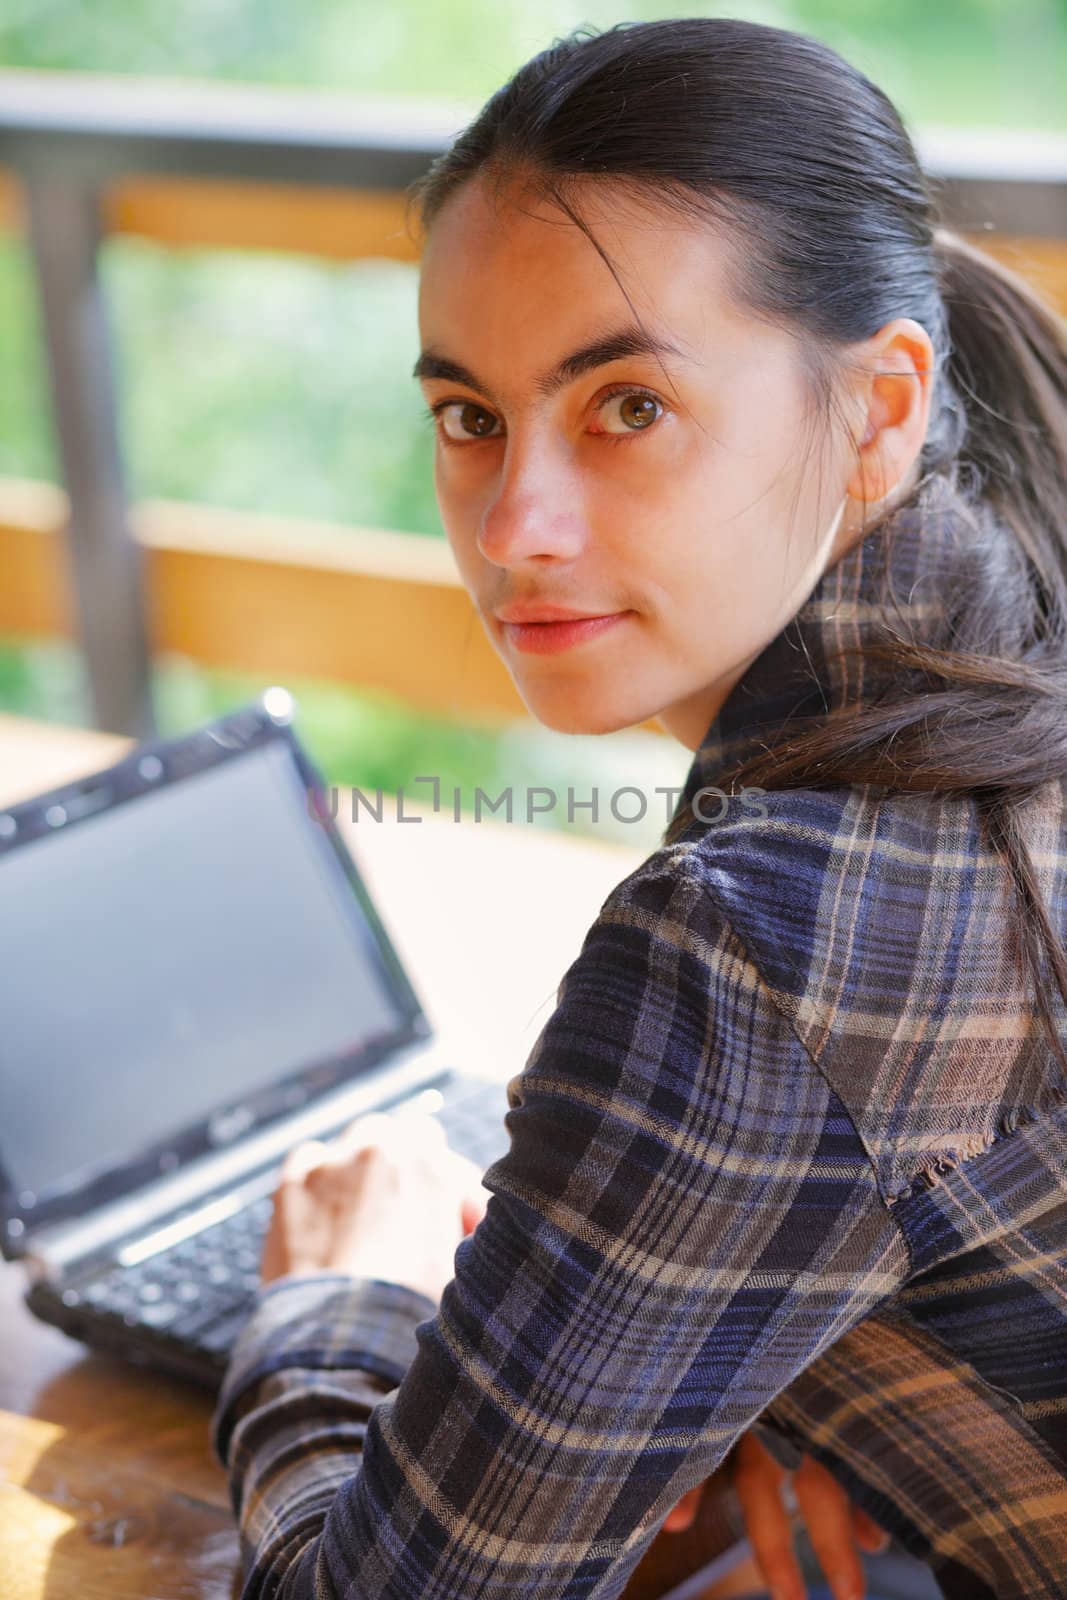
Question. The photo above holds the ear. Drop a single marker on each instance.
(895, 400)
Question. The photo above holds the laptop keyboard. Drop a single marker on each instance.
(198, 1292)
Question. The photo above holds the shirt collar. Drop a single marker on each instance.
(923, 550)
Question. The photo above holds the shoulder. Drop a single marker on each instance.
(884, 925)
(762, 890)
(819, 882)
(790, 872)
(663, 988)
(668, 973)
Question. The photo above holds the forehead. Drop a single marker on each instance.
(509, 266)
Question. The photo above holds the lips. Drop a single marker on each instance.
(547, 637)
(542, 611)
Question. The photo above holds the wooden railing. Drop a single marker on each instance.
(255, 169)
(365, 606)
(333, 224)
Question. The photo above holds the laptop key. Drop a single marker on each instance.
(118, 1303)
(203, 1283)
(161, 1314)
(219, 1338)
(196, 1318)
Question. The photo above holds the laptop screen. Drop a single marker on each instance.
(191, 955)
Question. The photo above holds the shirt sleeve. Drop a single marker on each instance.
(686, 1218)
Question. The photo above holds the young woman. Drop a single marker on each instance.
(731, 433)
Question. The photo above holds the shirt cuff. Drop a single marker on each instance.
(325, 1321)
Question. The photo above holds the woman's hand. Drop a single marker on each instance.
(835, 1526)
(388, 1199)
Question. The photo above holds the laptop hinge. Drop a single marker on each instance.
(50, 1250)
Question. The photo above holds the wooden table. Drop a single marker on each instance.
(108, 1488)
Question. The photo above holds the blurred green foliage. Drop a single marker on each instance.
(274, 383)
(957, 61)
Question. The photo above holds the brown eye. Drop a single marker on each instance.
(634, 408)
(475, 421)
(638, 409)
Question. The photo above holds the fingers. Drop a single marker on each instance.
(381, 1128)
(683, 1515)
(300, 1160)
(409, 1127)
(408, 1124)
(758, 1480)
(294, 1235)
(869, 1535)
(827, 1513)
(374, 1127)
(335, 1173)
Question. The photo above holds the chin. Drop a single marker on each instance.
(570, 714)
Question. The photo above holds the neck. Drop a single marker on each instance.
(688, 719)
(907, 572)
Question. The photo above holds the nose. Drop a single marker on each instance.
(535, 513)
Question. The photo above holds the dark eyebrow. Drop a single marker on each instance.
(617, 345)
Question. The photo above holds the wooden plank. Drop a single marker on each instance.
(387, 612)
(111, 1536)
(35, 596)
(109, 1487)
(383, 610)
(350, 224)
(341, 224)
(336, 224)
(135, 1420)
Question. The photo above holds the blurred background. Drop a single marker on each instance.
(207, 327)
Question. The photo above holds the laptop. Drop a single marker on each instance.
(193, 979)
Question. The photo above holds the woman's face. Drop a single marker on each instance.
(683, 514)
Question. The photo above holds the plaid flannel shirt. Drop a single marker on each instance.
(791, 1147)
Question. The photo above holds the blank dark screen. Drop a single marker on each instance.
(167, 958)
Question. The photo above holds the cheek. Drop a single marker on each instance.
(458, 518)
(461, 492)
(718, 587)
(464, 552)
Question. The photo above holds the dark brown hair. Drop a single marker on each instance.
(836, 228)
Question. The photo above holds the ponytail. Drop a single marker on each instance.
(1008, 367)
